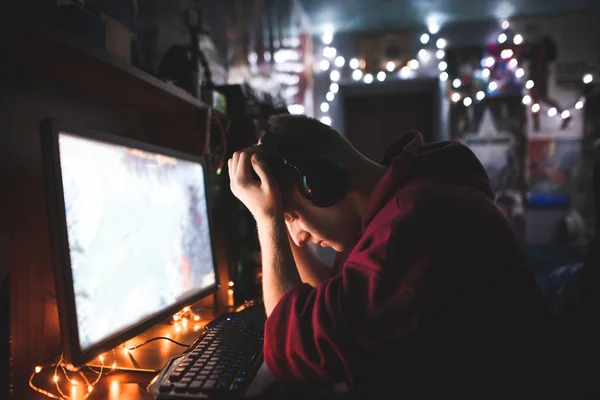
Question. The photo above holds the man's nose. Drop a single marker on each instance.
(300, 237)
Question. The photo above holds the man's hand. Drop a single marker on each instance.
(261, 197)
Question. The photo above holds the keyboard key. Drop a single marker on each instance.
(165, 387)
(195, 387)
(180, 387)
(209, 384)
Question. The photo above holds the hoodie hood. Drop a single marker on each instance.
(410, 159)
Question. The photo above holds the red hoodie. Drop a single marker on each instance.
(436, 297)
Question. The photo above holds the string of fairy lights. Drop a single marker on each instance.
(331, 62)
(66, 384)
(509, 46)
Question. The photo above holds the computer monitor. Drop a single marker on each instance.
(131, 235)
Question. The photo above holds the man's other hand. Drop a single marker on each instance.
(261, 197)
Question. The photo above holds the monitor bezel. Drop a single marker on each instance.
(73, 352)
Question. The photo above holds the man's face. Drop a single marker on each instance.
(336, 226)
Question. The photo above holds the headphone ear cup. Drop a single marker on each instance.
(324, 182)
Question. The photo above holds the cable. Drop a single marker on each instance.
(221, 162)
(158, 338)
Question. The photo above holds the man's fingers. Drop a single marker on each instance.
(262, 169)
(244, 173)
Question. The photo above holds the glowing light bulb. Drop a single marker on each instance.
(38, 370)
(535, 108)
(444, 76)
(424, 38)
(579, 105)
(456, 83)
(90, 388)
(588, 78)
(329, 52)
(440, 54)
(520, 73)
(506, 54)
(413, 64)
(334, 87)
(390, 66)
(552, 112)
(231, 283)
(330, 96)
(176, 317)
(518, 39)
(177, 328)
(324, 107)
(114, 365)
(526, 99)
(493, 86)
(381, 76)
(196, 318)
(467, 101)
(324, 65)
(186, 309)
(326, 120)
(565, 114)
(529, 84)
(441, 43)
(505, 24)
(489, 62)
(368, 78)
(126, 351)
(334, 75)
(455, 97)
(340, 61)
(357, 74)
(502, 38)
(480, 95)
(55, 378)
(73, 382)
(196, 327)
(354, 63)
(485, 73)
(442, 65)
(423, 55)
(513, 63)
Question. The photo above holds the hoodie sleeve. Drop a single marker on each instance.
(314, 334)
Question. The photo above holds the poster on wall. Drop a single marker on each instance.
(493, 130)
(553, 169)
(557, 53)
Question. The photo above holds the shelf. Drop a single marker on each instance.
(47, 52)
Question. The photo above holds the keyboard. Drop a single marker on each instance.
(221, 363)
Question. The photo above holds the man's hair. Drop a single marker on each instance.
(307, 138)
(310, 137)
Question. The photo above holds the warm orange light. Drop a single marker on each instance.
(176, 317)
(177, 328)
(186, 309)
(184, 322)
(38, 370)
(101, 358)
(126, 351)
(196, 318)
(230, 283)
(230, 291)
(90, 388)
(55, 378)
(197, 327)
(73, 382)
(114, 365)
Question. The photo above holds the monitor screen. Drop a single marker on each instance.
(138, 234)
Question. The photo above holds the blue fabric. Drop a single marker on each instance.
(560, 280)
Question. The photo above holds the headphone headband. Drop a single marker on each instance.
(321, 181)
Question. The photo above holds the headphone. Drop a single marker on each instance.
(321, 181)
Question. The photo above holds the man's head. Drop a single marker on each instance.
(320, 165)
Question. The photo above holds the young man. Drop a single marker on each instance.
(435, 295)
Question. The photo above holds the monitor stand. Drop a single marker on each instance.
(153, 356)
